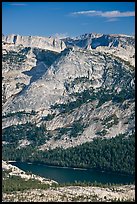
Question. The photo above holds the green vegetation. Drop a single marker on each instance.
(72, 131)
(20, 85)
(110, 121)
(81, 98)
(76, 128)
(124, 61)
(87, 183)
(16, 189)
(16, 183)
(19, 114)
(14, 57)
(110, 118)
(27, 131)
(119, 75)
(35, 135)
(102, 95)
(123, 95)
(60, 132)
(80, 80)
(102, 132)
(48, 117)
(12, 183)
(115, 154)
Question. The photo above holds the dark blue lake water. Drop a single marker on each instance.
(63, 175)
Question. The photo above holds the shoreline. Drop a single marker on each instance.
(16, 171)
(76, 168)
(64, 167)
(129, 181)
(76, 192)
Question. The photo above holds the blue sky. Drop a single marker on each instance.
(68, 18)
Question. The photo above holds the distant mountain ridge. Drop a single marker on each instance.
(122, 45)
(94, 40)
(49, 43)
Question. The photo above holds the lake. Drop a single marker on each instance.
(63, 175)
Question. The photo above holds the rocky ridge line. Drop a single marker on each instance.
(48, 43)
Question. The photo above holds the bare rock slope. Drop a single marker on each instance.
(79, 87)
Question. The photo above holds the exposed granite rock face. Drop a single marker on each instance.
(55, 84)
(91, 87)
(122, 46)
(48, 43)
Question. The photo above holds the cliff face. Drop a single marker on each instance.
(76, 93)
(122, 46)
(48, 43)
